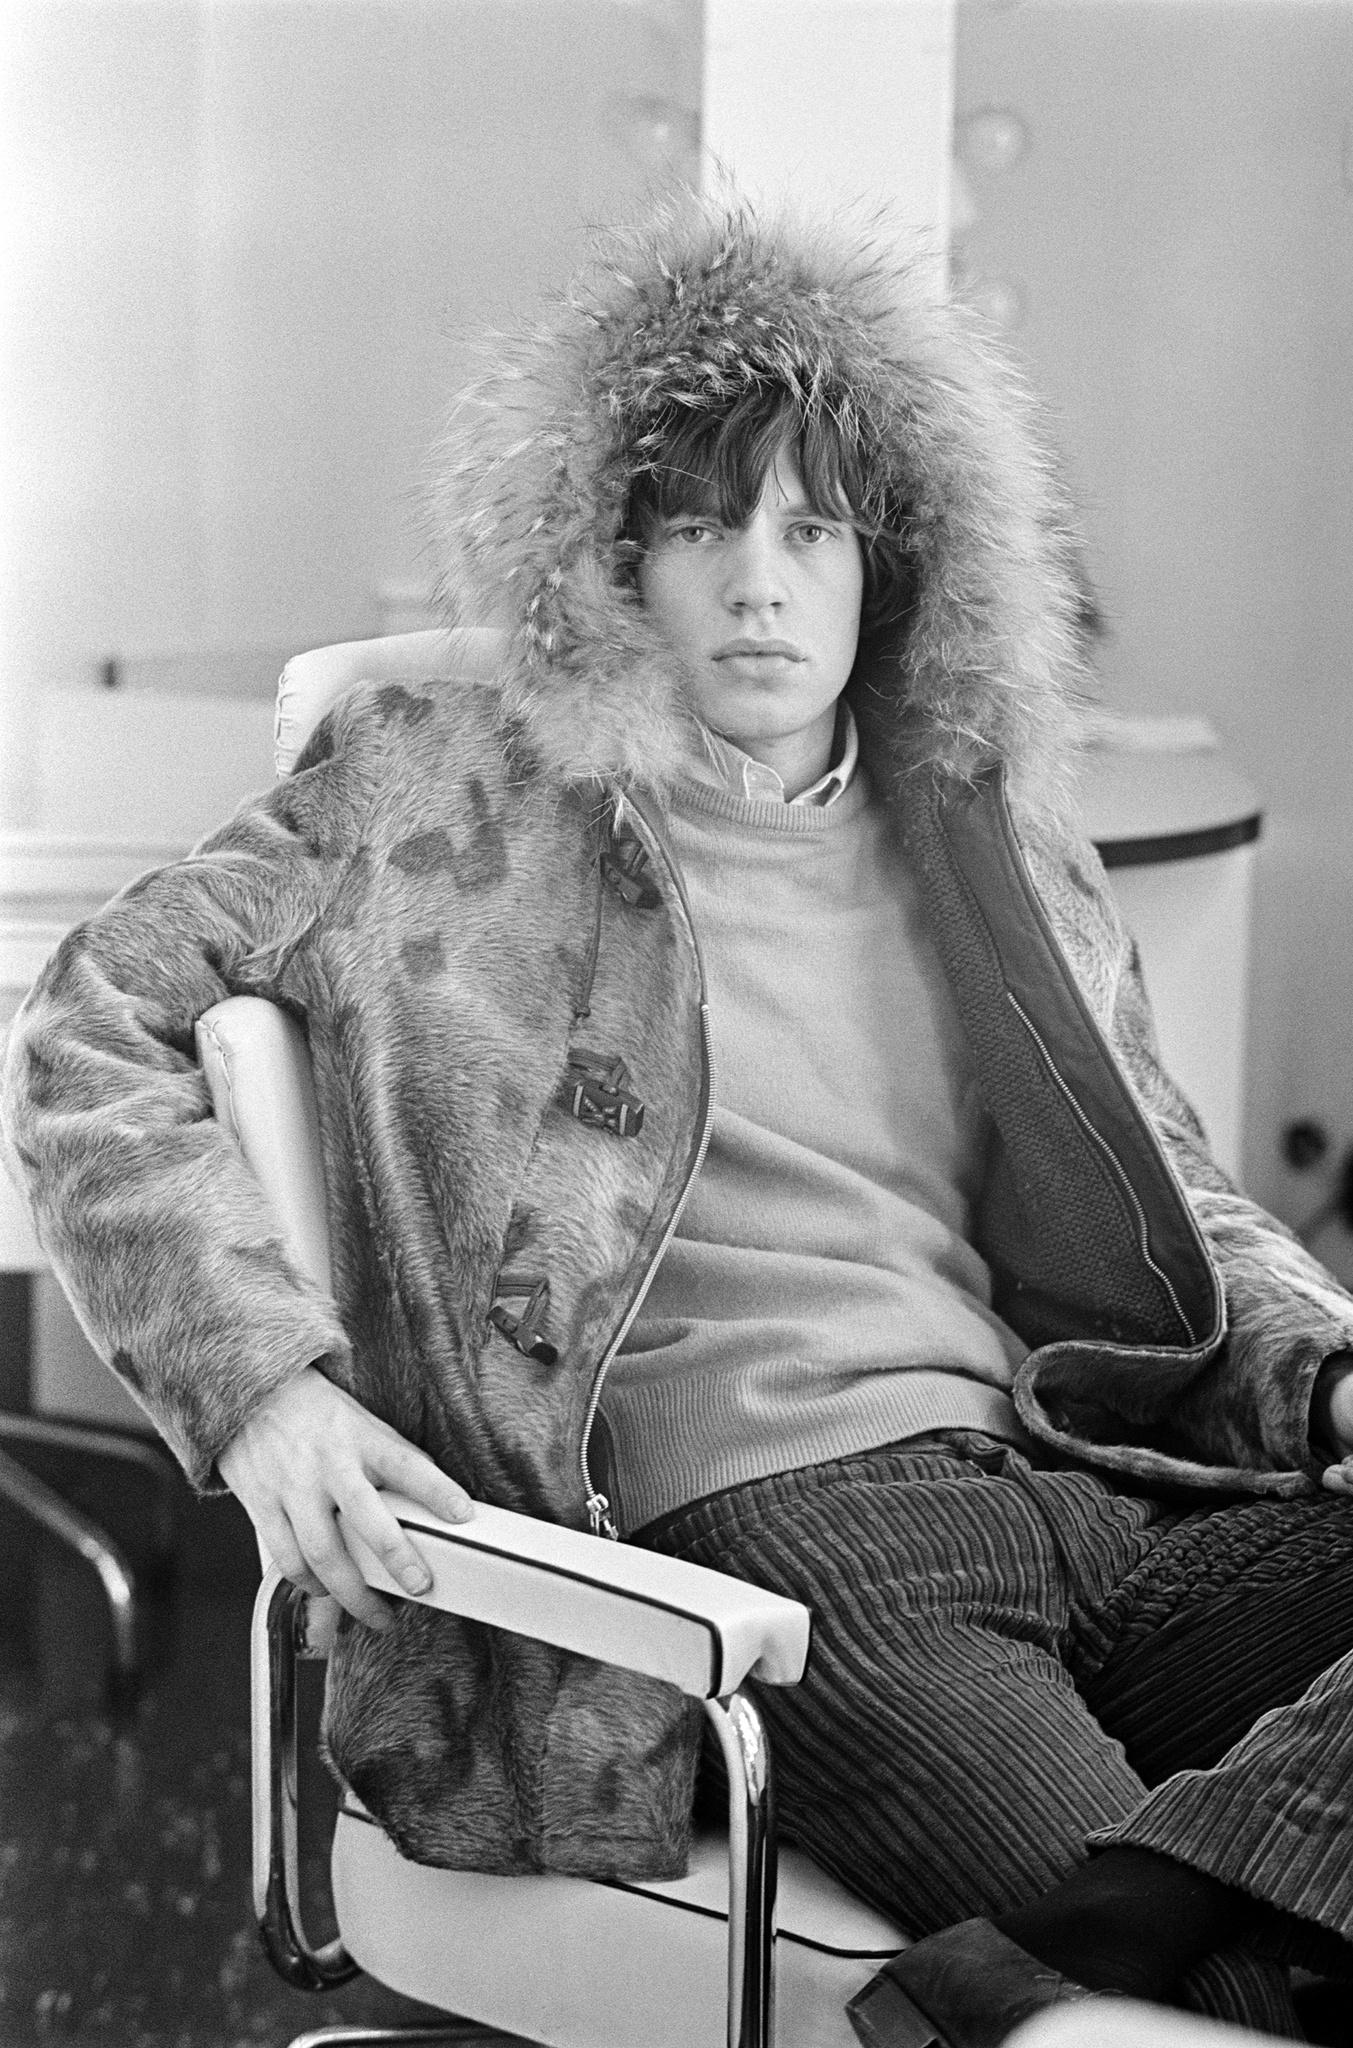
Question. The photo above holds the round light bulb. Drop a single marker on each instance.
(998, 301)
(992, 140)
(654, 130)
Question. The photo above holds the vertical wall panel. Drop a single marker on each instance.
(834, 101)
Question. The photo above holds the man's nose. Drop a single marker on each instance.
(753, 580)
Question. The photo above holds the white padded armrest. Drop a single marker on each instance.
(698, 1629)
(257, 1068)
(310, 682)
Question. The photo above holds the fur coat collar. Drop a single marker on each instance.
(709, 295)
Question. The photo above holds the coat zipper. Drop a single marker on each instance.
(582, 1006)
(599, 1517)
(1106, 1150)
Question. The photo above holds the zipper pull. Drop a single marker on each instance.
(599, 1517)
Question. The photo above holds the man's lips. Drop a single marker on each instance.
(732, 650)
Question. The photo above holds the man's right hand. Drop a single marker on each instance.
(307, 1464)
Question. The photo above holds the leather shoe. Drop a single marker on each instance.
(967, 1987)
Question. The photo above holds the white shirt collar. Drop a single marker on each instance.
(719, 762)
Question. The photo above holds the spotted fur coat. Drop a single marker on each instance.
(465, 892)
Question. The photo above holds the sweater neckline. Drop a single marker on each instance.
(766, 815)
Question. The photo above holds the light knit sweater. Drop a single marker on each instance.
(820, 1296)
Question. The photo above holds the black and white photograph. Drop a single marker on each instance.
(676, 1023)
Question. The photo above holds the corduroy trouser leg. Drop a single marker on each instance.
(1005, 1657)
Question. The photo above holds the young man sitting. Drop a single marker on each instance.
(745, 1129)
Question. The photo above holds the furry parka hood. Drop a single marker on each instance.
(706, 299)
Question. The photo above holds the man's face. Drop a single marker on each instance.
(766, 617)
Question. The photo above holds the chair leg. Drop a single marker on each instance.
(42, 1504)
(751, 1871)
(277, 1641)
(87, 1440)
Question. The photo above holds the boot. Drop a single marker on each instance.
(967, 1987)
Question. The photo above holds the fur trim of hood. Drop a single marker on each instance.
(534, 472)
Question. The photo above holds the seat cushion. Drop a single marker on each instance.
(579, 1965)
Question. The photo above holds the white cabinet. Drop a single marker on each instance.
(1178, 835)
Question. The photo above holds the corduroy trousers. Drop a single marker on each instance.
(1012, 1664)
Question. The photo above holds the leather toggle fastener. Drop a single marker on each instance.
(520, 1302)
(626, 868)
(597, 1091)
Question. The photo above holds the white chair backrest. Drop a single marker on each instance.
(310, 682)
(257, 1068)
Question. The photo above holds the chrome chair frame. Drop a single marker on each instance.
(281, 1638)
(123, 1586)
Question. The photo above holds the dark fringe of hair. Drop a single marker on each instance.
(708, 460)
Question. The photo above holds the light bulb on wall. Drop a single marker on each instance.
(658, 133)
(997, 300)
(992, 140)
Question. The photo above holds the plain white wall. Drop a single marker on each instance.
(1179, 234)
(247, 237)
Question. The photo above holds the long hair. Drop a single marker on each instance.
(715, 459)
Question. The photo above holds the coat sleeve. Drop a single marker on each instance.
(153, 1224)
(1285, 1313)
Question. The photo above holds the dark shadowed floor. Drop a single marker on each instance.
(124, 1850)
